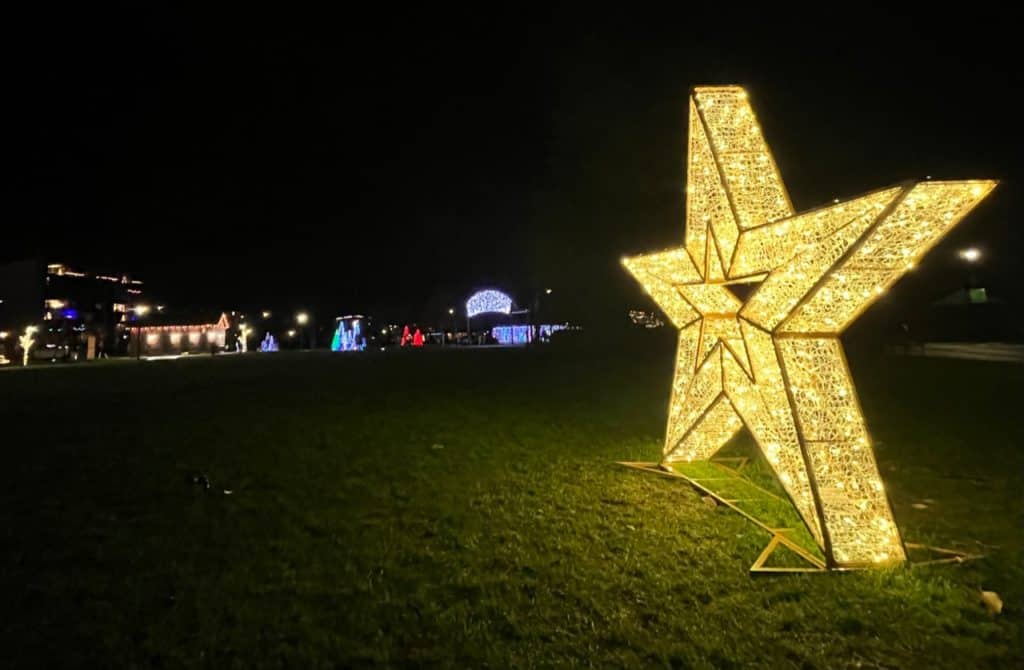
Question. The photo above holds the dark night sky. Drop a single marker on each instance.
(390, 163)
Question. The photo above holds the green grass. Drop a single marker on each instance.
(753, 489)
(462, 509)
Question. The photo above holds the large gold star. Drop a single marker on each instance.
(774, 363)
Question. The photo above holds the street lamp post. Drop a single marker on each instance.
(302, 318)
(535, 315)
(972, 257)
(140, 311)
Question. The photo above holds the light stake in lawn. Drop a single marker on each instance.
(773, 362)
(243, 337)
(26, 341)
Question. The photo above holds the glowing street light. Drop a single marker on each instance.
(451, 313)
(291, 333)
(302, 318)
(971, 254)
(266, 314)
(140, 311)
(547, 291)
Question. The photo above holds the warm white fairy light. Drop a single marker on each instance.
(26, 340)
(775, 362)
(243, 337)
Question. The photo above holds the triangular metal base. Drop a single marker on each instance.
(935, 555)
(814, 563)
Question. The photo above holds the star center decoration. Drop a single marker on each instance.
(774, 362)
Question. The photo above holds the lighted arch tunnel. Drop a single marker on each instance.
(488, 301)
(492, 301)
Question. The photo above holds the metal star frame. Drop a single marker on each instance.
(774, 363)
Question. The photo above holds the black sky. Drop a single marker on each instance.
(390, 163)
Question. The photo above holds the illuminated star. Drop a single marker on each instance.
(774, 362)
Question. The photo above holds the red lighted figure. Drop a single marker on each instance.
(417, 339)
(405, 336)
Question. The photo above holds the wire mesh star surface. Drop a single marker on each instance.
(774, 363)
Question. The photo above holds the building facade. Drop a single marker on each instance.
(175, 335)
(78, 313)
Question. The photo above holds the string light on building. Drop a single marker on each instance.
(181, 338)
(774, 362)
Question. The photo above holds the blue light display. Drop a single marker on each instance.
(268, 343)
(523, 334)
(346, 339)
(512, 334)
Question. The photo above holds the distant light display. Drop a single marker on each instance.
(512, 334)
(243, 339)
(646, 319)
(549, 329)
(524, 334)
(483, 302)
(268, 344)
(417, 338)
(348, 339)
(774, 362)
(26, 340)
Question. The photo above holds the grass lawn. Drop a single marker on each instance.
(462, 509)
